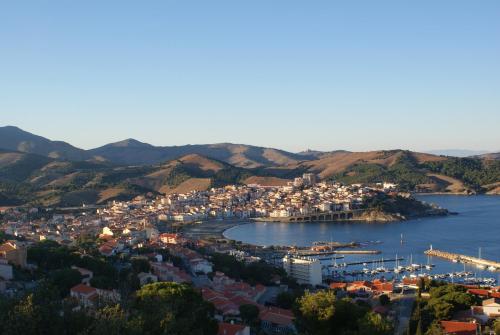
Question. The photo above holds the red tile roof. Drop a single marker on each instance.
(334, 286)
(480, 292)
(459, 328)
(277, 316)
(83, 289)
(383, 287)
(229, 329)
(495, 294)
(410, 281)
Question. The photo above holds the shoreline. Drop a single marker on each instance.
(212, 228)
(449, 193)
(458, 193)
(215, 229)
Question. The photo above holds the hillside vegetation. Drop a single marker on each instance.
(27, 178)
(411, 172)
(37, 170)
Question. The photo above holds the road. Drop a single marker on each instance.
(404, 309)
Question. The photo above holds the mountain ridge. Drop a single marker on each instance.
(15, 139)
(126, 168)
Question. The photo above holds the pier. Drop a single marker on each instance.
(463, 258)
(335, 252)
(377, 261)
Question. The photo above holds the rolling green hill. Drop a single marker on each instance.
(415, 172)
(37, 170)
(28, 178)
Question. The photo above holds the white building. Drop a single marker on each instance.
(200, 265)
(489, 310)
(304, 270)
(309, 179)
(326, 206)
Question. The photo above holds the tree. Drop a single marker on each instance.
(5, 307)
(249, 313)
(435, 329)
(3, 237)
(496, 327)
(174, 309)
(36, 313)
(316, 313)
(384, 300)
(24, 318)
(285, 300)
(64, 280)
(49, 255)
(110, 320)
(374, 324)
(419, 330)
(103, 282)
(140, 265)
(441, 309)
(348, 314)
(87, 243)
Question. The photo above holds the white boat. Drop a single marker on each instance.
(492, 268)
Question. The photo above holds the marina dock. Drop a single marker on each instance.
(463, 258)
(377, 261)
(336, 252)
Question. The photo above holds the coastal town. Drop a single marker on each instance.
(250, 168)
(155, 232)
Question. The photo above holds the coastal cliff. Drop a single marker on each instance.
(376, 215)
(403, 206)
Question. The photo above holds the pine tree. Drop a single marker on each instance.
(419, 330)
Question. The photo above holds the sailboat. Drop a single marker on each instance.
(428, 266)
(396, 268)
(480, 266)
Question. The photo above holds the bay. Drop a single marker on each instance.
(477, 225)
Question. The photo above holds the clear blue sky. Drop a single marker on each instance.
(356, 75)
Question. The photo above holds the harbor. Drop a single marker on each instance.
(409, 240)
(379, 268)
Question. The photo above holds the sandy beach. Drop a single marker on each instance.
(211, 228)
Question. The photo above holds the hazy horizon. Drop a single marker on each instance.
(323, 76)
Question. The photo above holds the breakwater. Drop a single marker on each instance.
(462, 258)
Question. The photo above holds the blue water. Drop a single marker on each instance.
(476, 226)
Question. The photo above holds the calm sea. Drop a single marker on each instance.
(476, 227)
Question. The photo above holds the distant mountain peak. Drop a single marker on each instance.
(16, 139)
(130, 143)
(11, 127)
(15, 130)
